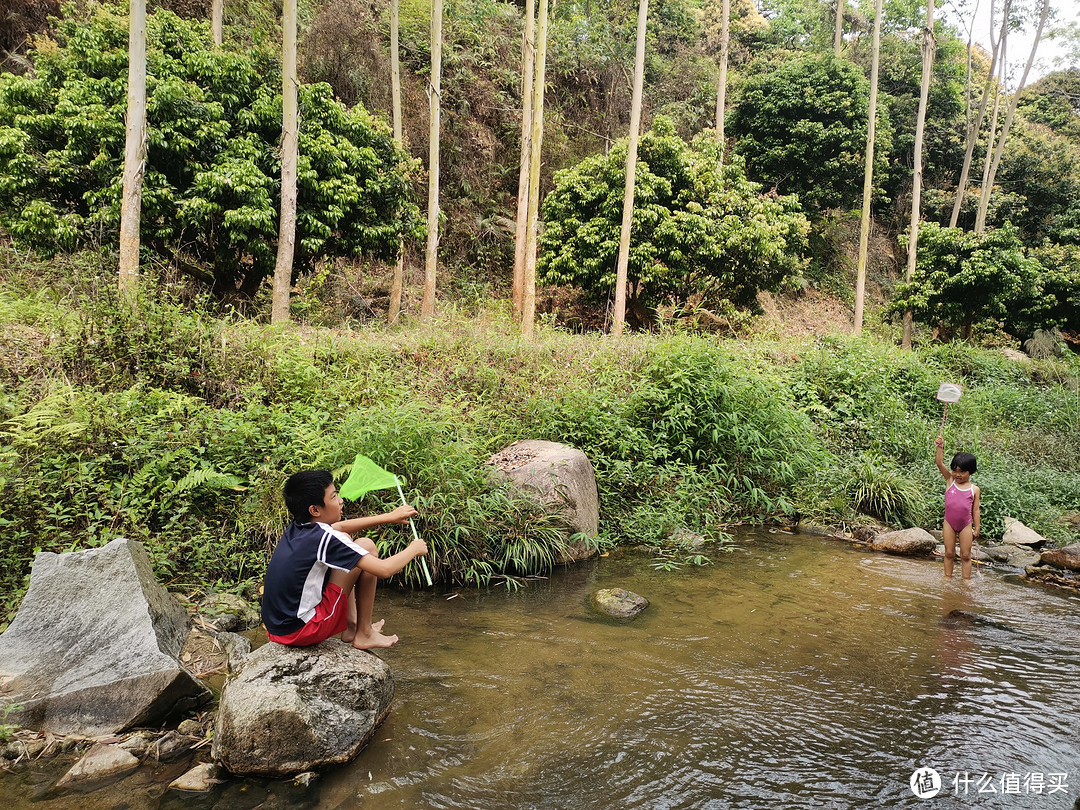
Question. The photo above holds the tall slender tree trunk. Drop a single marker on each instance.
(838, 31)
(394, 311)
(988, 185)
(721, 84)
(917, 178)
(631, 169)
(976, 127)
(134, 148)
(528, 70)
(991, 136)
(536, 142)
(427, 306)
(290, 142)
(217, 21)
(868, 173)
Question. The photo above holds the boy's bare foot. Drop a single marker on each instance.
(348, 635)
(374, 640)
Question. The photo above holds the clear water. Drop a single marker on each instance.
(796, 672)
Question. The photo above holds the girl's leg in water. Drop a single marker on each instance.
(950, 548)
(966, 536)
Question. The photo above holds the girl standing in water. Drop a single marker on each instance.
(961, 507)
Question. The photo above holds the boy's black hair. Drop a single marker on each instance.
(304, 489)
(965, 462)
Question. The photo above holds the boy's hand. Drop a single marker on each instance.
(402, 514)
(940, 441)
(418, 547)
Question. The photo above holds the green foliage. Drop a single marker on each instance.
(7, 730)
(800, 122)
(878, 488)
(963, 278)
(1053, 102)
(700, 235)
(211, 186)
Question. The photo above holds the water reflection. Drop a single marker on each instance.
(794, 673)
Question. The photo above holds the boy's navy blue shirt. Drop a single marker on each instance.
(298, 572)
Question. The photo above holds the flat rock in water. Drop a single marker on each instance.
(1016, 556)
(619, 602)
(295, 709)
(908, 542)
(200, 779)
(1017, 534)
(100, 762)
(95, 646)
(1067, 557)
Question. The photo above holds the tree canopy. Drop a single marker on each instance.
(800, 122)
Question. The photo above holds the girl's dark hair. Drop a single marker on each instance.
(965, 462)
(304, 489)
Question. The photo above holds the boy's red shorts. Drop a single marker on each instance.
(331, 617)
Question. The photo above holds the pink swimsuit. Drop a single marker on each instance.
(958, 505)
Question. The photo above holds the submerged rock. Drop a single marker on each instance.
(100, 762)
(619, 602)
(295, 709)
(561, 478)
(200, 779)
(908, 542)
(94, 648)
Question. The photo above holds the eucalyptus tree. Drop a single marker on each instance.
(975, 126)
(721, 83)
(217, 21)
(999, 148)
(398, 283)
(631, 166)
(917, 158)
(134, 147)
(290, 152)
(868, 172)
(521, 224)
(838, 32)
(536, 140)
(427, 305)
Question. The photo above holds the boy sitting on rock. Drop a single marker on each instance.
(321, 582)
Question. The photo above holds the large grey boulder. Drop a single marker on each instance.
(908, 542)
(94, 648)
(294, 709)
(560, 477)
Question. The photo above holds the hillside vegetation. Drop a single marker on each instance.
(174, 422)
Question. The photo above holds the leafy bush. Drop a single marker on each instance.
(699, 236)
(212, 180)
(962, 278)
(800, 123)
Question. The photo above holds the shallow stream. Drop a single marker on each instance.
(795, 672)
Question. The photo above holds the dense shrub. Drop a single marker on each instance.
(963, 278)
(211, 186)
(700, 235)
(800, 123)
